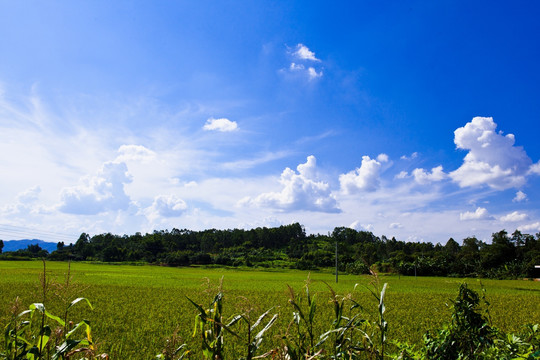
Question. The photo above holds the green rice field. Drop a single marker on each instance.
(137, 307)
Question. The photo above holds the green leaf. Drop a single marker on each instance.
(203, 314)
(83, 322)
(65, 347)
(80, 299)
(44, 337)
(54, 317)
(37, 306)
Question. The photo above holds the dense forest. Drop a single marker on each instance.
(507, 256)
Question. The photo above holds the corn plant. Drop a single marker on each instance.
(209, 323)
(29, 335)
(253, 342)
(172, 350)
(342, 331)
(302, 344)
(382, 324)
(36, 334)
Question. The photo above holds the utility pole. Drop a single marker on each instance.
(336, 264)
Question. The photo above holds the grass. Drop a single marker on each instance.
(137, 307)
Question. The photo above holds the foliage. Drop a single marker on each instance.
(36, 333)
(137, 307)
(509, 256)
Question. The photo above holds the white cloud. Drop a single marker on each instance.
(258, 160)
(395, 226)
(520, 196)
(302, 52)
(492, 159)
(382, 158)
(135, 153)
(29, 196)
(269, 221)
(25, 204)
(480, 214)
(361, 227)
(364, 178)
(514, 216)
(167, 206)
(414, 155)
(303, 56)
(313, 74)
(535, 227)
(301, 191)
(535, 168)
(402, 175)
(423, 177)
(223, 125)
(99, 193)
(296, 67)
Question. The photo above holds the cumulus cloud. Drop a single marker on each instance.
(222, 125)
(382, 158)
(520, 196)
(364, 178)
(25, 204)
(480, 214)
(301, 191)
(395, 226)
(514, 216)
(530, 227)
(99, 193)
(168, 206)
(302, 52)
(361, 227)
(492, 159)
(423, 177)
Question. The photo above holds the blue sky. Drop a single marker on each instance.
(417, 120)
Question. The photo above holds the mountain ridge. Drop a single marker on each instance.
(14, 245)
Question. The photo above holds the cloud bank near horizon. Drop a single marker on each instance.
(122, 192)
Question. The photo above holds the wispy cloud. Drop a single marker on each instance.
(259, 160)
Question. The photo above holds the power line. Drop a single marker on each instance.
(7, 230)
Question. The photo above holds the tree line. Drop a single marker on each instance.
(507, 256)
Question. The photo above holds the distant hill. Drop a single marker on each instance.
(14, 245)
